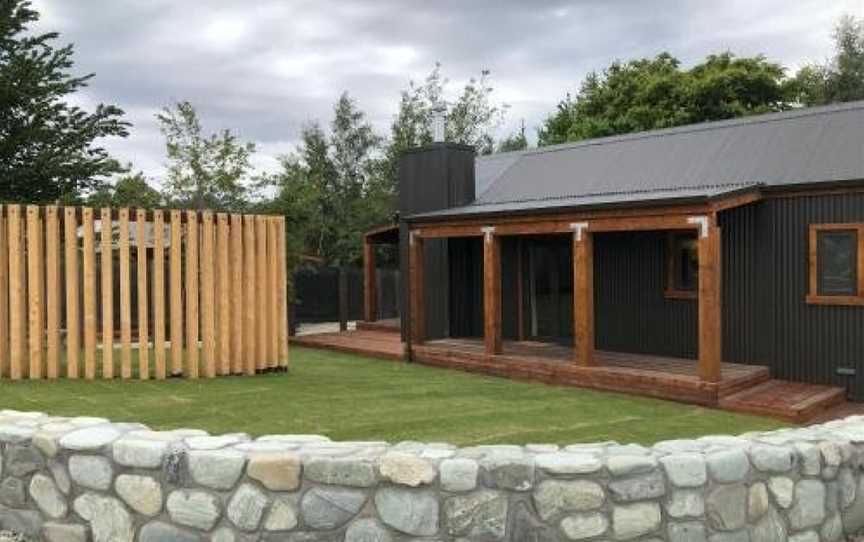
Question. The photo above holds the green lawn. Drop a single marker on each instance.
(351, 397)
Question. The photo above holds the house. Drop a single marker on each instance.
(718, 263)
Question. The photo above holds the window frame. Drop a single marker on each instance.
(672, 291)
(813, 295)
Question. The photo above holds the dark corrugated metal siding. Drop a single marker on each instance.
(465, 287)
(631, 312)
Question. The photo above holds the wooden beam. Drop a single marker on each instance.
(73, 308)
(106, 238)
(143, 302)
(175, 271)
(159, 294)
(35, 290)
(125, 297)
(89, 289)
(415, 289)
(237, 305)
(492, 291)
(370, 282)
(52, 290)
(192, 347)
(440, 231)
(4, 298)
(17, 293)
(546, 224)
(710, 313)
(583, 295)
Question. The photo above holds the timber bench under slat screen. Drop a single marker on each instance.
(190, 293)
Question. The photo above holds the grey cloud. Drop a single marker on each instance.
(266, 67)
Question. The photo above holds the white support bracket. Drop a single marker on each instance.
(411, 235)
(488, 232)
(578, 228)
(701, 221)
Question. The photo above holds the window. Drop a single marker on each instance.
(836, 264)
(682, 265)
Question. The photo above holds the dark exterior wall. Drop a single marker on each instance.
(466, 287)
(765, 284)
(631, 312)
(434, 177)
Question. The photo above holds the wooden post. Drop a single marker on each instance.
(143, 301)
(342, 288)
(273, 316)
(52, 290)
(4, 297)
(106, 227)
(250, 312)
(159, 294)
(208, 310)
(176, 292)
(238, 338)
(73, 309)
(282, 292)
(491, 291)
(192, 355)
(415, 288)
(261, 312)
(35, 290)
(224, 293)
(125, 297)
(370, 282)
(89, 287)
(583, 295)
(17, 293)
(710, 314)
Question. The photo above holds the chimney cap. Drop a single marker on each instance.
(439, 122)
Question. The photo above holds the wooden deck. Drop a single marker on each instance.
(743, 388)
(654, 376)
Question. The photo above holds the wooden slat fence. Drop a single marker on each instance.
(76, 283)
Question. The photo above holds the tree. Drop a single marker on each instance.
(47, 146)
(647, 94)
(841, 79)
(326, 187)
(204, 170)
(514, 142)
(472, 119)
(130, 190)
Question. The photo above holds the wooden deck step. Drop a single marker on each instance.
(796, 402)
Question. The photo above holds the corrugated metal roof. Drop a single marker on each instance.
(820, 144)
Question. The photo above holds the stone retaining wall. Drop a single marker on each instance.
(79, 479)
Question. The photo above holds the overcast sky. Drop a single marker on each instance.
(265, 67)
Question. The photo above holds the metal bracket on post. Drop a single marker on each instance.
(578, 228)
(488, 232)
(702, 221)
(411, 235)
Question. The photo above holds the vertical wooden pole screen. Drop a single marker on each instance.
(106, 249)
(125, 297)
(238, 328)
(73, 308)
(52, 291)
(204, 281)
(250, 312)
(208, 314)
(4, 298)
(159, 294)
(35, 290)
(17, 293)
(89, 288)
(282, 292)
(224, 292)
(192, 294)
(176, 272)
